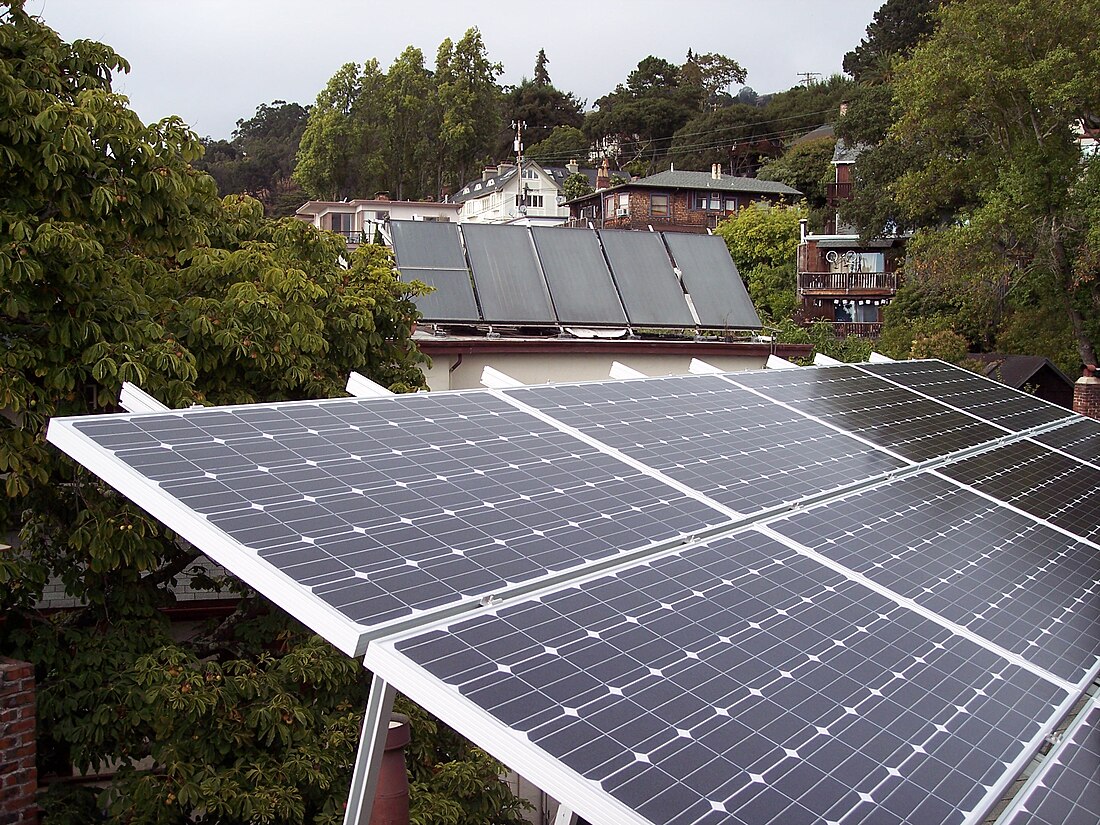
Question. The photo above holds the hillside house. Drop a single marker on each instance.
(533, 197)
(675, 201)
(360, 220)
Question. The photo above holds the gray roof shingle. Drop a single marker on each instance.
(704, 181)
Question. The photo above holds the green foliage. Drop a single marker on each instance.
(806, 166)
(896, 29)
(821, 337)
(981, 151)
(763, 242)
(547, 112)
(576, 186)
(118, 262)
(259, 161)
(565, 143)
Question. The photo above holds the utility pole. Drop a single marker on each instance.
(521, 187)
(808, 78)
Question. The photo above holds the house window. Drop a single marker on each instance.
(529, 200)
(731, 204)
(860, 312)
(659, 206)
(342, 222)
(530, 174)
(709, 200)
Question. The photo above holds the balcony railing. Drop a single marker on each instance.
(352, 236)
(845, 283)
(857, 329)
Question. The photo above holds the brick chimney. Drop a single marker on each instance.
(603, 176)
(1086, 393)
(18, 775)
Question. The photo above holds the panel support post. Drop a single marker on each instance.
(364, 779)
(565, 816)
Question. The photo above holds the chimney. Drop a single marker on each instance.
(572, 168)
(716, 171)
(19, 777)
(1086, 393)
(490, 172)
(603, 176)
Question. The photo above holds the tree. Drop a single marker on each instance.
(260, 159)
(564, 144)
(342, 152)
(896, 28)
(543, 109)
(412, 117)
(542, 76)
(469, 101)
(807, 166)
(118, 262)
(763, 242)
(713, 73)
(981, 152)
(576, 186)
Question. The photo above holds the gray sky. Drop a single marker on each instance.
(213, 62)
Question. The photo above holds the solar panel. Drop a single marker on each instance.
(431, 252)
(1067, 790)
(643, 273)
(427, 245)
(1081, 439)
(735, 447)
(886, 415)
(373, 509)
(979, 396)
(712, 280)
(736, 682)
(451, 298)
(1003, 576)
(1050, 486)
(578, 277)
(509, 282)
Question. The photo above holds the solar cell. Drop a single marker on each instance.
(1067, 791)
(1005, 577)
(735, 682)
(643, 273)
(979, 396)
(578, 277)
(886, 415)
(1050, 486)
(712, 280)
(509, 282)
(741, 450)
(381, 507)
(1080, 438)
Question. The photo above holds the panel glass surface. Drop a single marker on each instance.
(578, 276)
(979, 396)
(886, 415)
(509, 284)
(740, 682)
(741, 450)
(452, 295)
(1046, 484)
(1080, 439)
(427, 245)
(643, 272)
(1068, 792)
(385, 506)
(1005, 577)
(712, 280)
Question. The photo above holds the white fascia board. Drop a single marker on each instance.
(823, 360)
(699, 367)
(506, 744)
(621, 372)
(239, 559)
(496, 380)
(879, 358)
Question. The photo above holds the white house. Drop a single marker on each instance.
(360, 220)
(532, 197)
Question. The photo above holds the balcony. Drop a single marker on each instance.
(353, 237)
(847, 283)
(856, 329)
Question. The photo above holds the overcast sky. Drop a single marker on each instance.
(212, 62)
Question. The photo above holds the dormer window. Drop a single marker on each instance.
(530, 174)
(477, 187)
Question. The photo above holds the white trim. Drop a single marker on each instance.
(372, 745)
(879, 358)
(700, 367)
(621, 372)
(774, 362)
(823, 360)
(494, 379)
(362, 387)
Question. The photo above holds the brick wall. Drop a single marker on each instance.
(18, 776)
(1086, 396)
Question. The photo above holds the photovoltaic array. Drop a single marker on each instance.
(530, 276)
(854, 594)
